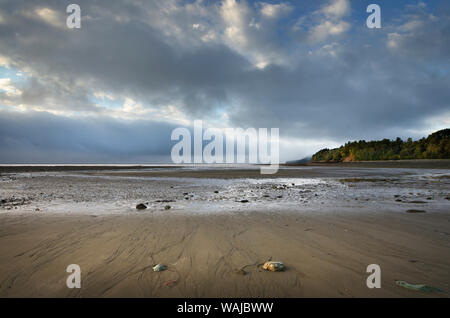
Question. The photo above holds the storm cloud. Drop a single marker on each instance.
(113, 90)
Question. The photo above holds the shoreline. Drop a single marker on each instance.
(416, 164)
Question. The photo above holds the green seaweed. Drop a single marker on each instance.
(418, 287)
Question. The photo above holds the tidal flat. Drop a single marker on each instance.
(214, 227)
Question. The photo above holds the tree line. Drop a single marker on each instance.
(435, 146)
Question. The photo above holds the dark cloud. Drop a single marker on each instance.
(39, 137)
(361, 84)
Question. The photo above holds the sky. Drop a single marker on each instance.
(114, 90)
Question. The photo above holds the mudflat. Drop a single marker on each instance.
(325, 224)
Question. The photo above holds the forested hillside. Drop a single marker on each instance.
(435, 146)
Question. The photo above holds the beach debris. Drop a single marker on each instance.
(274, 266)
(37, 209)
(167, 207)
(159, 268)
(141, 206)
(398, 200)
(216, 191)
(417, 202)
(240, 271)
(170, 283)
(415, 211)
(266, 196)
(164, 201)
(417, 287)
(244, 201)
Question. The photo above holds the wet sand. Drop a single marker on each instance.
(326, 233)
(326, 256)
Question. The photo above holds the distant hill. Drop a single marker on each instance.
(435, 146)
(300, 161)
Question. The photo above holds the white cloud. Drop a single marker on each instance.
(328, 28)
(50, 16)
(329, 20)
(8, 87)
(4, 61)
(337, 8)
(275, 10)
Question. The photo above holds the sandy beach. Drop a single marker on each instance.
(326, 224)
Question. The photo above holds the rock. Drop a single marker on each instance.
(415, 211)
(274, 266)
(186, 193)
(279, 196)
(216, 191)
(167, 207)
(141, 206)
(244, 201)
(37, 210)
(159, 268)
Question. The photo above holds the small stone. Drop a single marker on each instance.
(159, 268)
(244, 201)
(167, 207)
(141, 206)
(216, 191)
(274, 266)
(415, 211)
